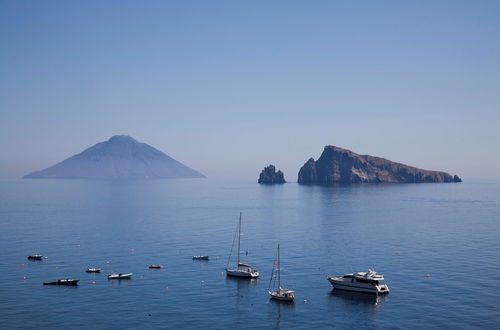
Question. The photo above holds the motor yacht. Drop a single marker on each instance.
(368, 282)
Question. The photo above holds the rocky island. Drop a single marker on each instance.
(120, 157)
(337, 165)
(270, 176)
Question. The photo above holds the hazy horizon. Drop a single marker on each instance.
(227, 88)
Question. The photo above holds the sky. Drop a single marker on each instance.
(228, 87)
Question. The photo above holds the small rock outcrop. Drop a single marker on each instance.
(270, 176)
(337, 165)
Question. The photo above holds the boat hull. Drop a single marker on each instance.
(348, 286)
(242, 273)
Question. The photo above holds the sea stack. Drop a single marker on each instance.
(270, 176)
(337, 165)
(120, 157)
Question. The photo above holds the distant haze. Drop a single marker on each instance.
(228, 87)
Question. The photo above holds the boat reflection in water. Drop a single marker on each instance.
(279, 308)
(359, 298)
(242, 283)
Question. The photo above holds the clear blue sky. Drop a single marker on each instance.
(230, 86)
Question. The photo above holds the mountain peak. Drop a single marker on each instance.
(120, 157)
(122, 138)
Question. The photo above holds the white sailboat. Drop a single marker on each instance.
(241, 270)
(280, 293)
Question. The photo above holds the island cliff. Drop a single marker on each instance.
(337, 165)
(120, 157)
(270, 176)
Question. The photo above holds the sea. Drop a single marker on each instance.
(437, 245)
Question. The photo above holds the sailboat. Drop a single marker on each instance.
(241, 270)
(280, 293)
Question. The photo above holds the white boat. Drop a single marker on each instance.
(115, 276)
(368, 282)
(241, 270)
(280, 293)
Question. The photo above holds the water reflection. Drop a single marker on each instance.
(281, 306)
(359, 298)
(242, 284)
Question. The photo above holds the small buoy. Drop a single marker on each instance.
(24, 278)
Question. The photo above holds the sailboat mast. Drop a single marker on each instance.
(239, 237)
(279, 271)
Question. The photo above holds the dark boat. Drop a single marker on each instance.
(201, 257)
(62, 282)
(93, 270)
(35, 257)
(155, 266)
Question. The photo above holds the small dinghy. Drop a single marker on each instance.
(115, 276)
(35, 257)
(93, 270)
(155, 266)
(201, 257)
(62, 282)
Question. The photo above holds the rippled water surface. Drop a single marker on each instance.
(436, 244)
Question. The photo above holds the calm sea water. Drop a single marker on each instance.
(438, 246)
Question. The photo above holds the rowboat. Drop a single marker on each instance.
(35, 257)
